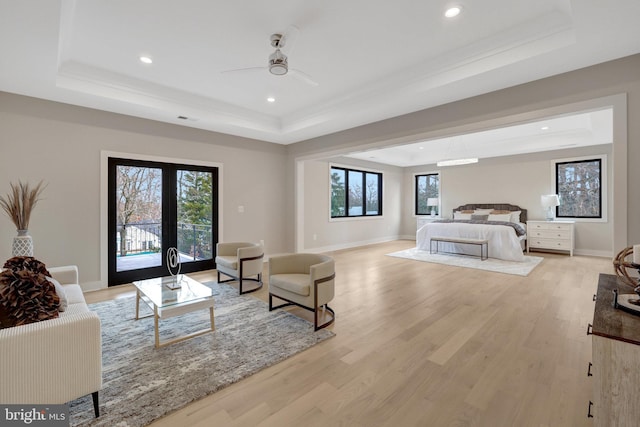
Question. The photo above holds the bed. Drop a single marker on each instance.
(499, 223)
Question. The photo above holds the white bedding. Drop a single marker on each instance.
(503, 242)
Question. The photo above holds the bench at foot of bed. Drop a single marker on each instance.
(484, 244)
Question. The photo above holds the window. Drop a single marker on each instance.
(355, 193)
(427, 187)
(579, 186)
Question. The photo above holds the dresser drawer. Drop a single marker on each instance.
(551, 234)
(564, 245)
(551, 225)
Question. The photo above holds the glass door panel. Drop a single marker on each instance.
(138, 217)
(194, 227)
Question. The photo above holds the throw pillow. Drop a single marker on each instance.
(502, 217)
(460, 215)
(26, 297)
(480, 217)
(64, 303)
(26, 263)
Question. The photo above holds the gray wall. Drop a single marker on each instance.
(62, 144)
(332, 234)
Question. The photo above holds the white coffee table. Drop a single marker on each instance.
(165, 302)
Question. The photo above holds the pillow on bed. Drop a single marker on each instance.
(501, 217)
(467, 211)
(479, 217)
(515, 215)
(460, 215)
(483, 211)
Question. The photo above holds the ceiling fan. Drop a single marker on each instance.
(278, 64)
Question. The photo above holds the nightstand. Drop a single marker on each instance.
(551, 235)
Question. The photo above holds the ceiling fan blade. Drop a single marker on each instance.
(289, 39)
(244, 70)
(302, 77)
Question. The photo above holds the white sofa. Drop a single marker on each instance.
(54, 361)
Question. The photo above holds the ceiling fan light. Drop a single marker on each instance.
(452, 12)
(278, 69)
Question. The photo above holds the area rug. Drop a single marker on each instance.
(508, 267)
(142, 383)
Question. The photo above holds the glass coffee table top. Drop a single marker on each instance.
(159, 291)
(163, 296)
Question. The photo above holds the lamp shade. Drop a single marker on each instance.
(432, 201)
(549, 200)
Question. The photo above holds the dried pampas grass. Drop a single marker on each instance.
(20, 202)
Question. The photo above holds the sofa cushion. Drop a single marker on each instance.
(296, 283)
(227, 261)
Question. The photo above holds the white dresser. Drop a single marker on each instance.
(556, 235)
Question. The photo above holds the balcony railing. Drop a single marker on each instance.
(194, 240)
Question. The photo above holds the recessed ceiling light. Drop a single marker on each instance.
(271, 99)
(146, 59)
(420, 148)
(453, 11)
(544, 128)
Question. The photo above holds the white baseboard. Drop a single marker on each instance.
(93, 286)
(590, 252)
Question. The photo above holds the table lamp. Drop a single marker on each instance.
(433, 202)
(549, 202)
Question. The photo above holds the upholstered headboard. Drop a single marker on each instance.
(496, 206)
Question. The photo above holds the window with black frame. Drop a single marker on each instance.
(355, 193)
(579, 187)
(427, 192)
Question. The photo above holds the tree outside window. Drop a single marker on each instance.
(427, 187)
(579, 186)
(355, 193)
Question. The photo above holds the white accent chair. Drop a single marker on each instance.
(54, 361)
(305, 280)
(241, 261)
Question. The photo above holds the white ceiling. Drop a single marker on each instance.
(570, 131)
(373, 59)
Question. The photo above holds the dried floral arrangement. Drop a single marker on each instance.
(20, 201)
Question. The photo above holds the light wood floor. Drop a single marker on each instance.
(420, 344)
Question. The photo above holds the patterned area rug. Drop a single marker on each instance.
(142, 383)
(499, 266)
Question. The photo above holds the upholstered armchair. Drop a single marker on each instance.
(305, 280)
(241, 261)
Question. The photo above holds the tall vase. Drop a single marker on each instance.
(22, 244)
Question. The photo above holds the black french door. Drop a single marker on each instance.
(154, 206)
